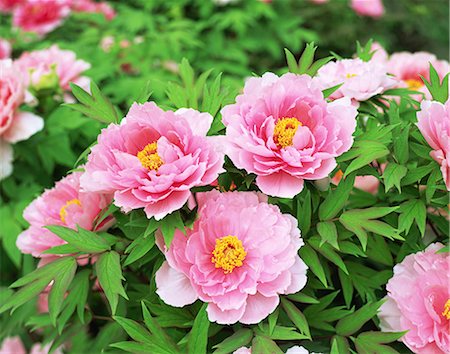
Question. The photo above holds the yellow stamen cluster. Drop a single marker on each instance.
(284, 131)
(149, 157)
(446, 312)
(349, 76)
(63, 211)
(228, 254)
(414, 84)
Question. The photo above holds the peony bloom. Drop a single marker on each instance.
(361, 80)
(63, 205)
(284, 131)
(94, 7)
(379, 53)
(153, 158)
(408, 67)
(292, 350)
(371, 8)
(434, 124)
(241, 254)
(5, 49)
(52, 67)
(15, 126)
(12, 345)
(418, 301)
(40, 16)
(9, 5)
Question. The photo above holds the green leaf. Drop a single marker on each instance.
(371, 342)
(335, 200)
(239, 339)
(61, 283)
(438, 90)
(291, 61)
(411, 210)
(352, 323)
(109, 273)
(168, 226)
(366, 151)
(83, 240)
(134, 329)
(304, 212)
(198, 336)
(296, 316)
(328, 233)
(134, 347)
(95, 105)
(309, 256)
(138, 249)
(339, 345)
(347, 287)
(329, 91)
(359, 221)
(328, 252)
(263, 345)
(392, 176)
(307, 58)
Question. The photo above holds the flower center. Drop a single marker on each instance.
(228, 254)
(446, 312)
(149, 158)
(414, 84)
(349, 76)
(63, 211)
(284, 131)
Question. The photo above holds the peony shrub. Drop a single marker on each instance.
(175, 209)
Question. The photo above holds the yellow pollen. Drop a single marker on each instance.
(446, 312)
(414, 84)
(63, 211)
(149, 158)
(349, 76)
(284, 131)
(228, 253)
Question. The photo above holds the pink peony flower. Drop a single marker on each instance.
(292, 350)
(418, 301)
(284, 131)
(12, 345)
(47, 67)
(5, 49)
(408, 67)
(94, 7)
(63, 205)
(15, 126)
(371, 8)
(9, 5)
(153, 159)
(434, 124)
(380, 55)
(40, 16)
(239, 257)
(361, 80)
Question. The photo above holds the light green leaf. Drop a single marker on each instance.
(198, 337)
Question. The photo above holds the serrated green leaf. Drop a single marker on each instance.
(392, 176)
(335, 200)
(109, 273)
(83, 240)
(411, 210)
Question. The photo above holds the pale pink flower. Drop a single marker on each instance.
(43, 68)
(9, 5)
(107, 43)
(15, 125)
(5, 49)
(63, 205)
(408, 67)
(40, 16)
(94, 7)
(380, 55)
(361, 80)
(153, 158)
(418, 301)
(283, 130)
(433, 121)
(241, 254)
(371, 8)
(292, 350)
(12, 345)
